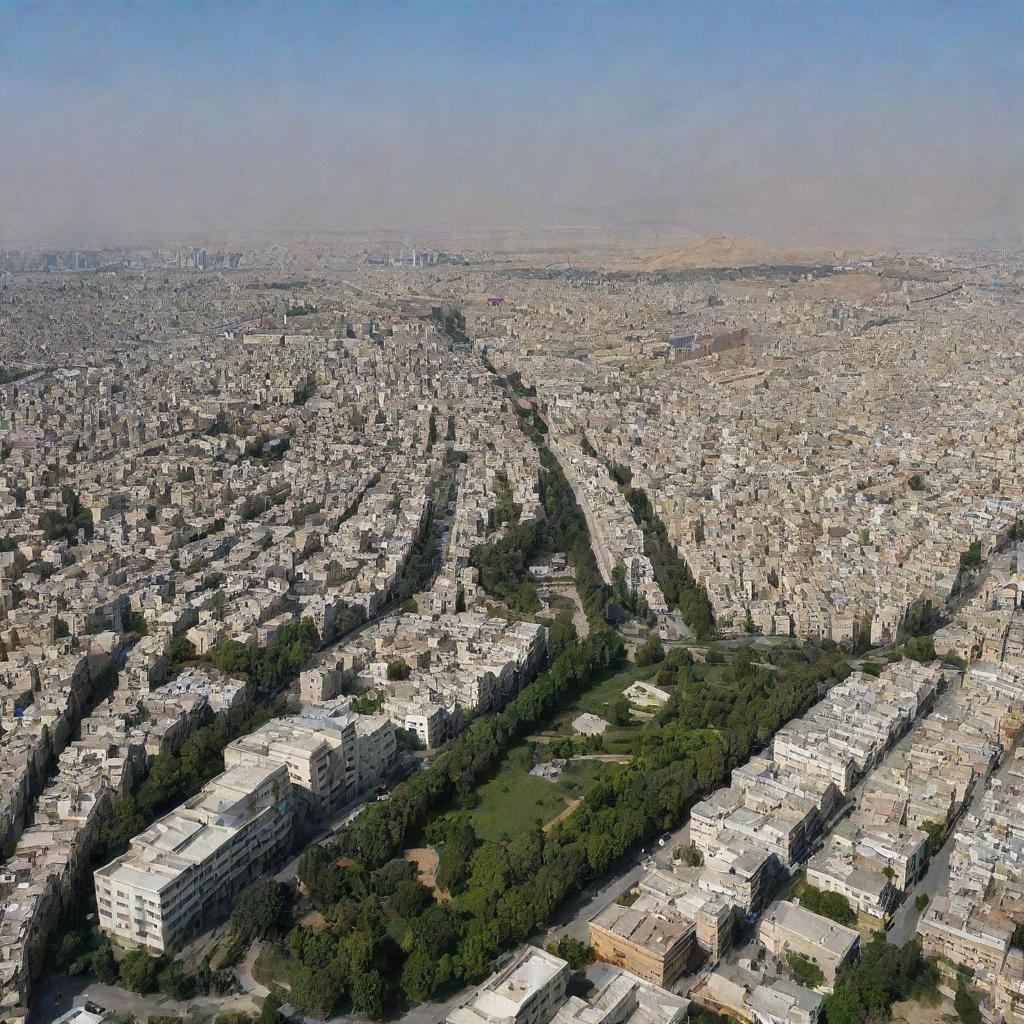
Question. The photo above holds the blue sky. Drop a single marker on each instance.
(811, 120)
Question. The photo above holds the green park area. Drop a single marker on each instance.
(513, 800)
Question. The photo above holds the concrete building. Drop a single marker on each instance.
(790, 929)
(654, 946)
(528, 990)
(185, 870)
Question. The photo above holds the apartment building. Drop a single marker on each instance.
(754, 997)
(530, 989)
(790, 929)
(332, 755)
(185, 870)
(654, 946)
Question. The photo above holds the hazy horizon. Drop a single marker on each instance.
(822, 123)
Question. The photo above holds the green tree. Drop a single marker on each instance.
(650, 652)
(104, 966)
(270, 1011)
(316, 993)
(575, 951)
(409, 899)
(368, 995)
(139, 972)
(561, 634)
(971, 558)
(619, 712)
(174, 982)
(805, 972)
(966, 1006)
(261, 910)
(398, 669)
(920, 648)
(832, 905)
(418, 975)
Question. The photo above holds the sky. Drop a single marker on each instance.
(824, 122)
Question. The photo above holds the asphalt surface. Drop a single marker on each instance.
(904, 924)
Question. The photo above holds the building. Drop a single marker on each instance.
(528, 990)
(624, 999)
(186, 869)
(751, 995)
(654, 946)
(790, 929)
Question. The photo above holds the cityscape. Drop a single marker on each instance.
(486, 596)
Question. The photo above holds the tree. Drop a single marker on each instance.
(202, 756)
(174, 982)
(920, 648)
(921, 902)
(833, 905)
(139, 971)
(418, 975)
(620, 588)
(966, 1006)
(385, 879)
(436, 929)
(261, 910)
(971, 558)
(561, 634)
(398, 669)
(619, 712)
(571, 949)
(368, 995)
(315, 992)
(884, 974)
(104, 966)
(936, 835)
(690, 855)
(650, 652)
(453, 861)
(916, 482)
(804, 971)
(270, 1011)
(409, 899)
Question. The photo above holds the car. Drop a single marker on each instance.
(667, 837)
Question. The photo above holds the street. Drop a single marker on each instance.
(904, 925)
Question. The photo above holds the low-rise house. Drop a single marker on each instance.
(790, 929)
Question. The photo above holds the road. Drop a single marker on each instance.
(605, 563)
(55, 998)
(904, 924)
(572, 917)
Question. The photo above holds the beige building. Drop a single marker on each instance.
(789, 928)
(655, 947)
(331, 754)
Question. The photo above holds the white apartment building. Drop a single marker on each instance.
(332, 755)
(186, 869)
(529, 990)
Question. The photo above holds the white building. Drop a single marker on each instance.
(528, 990)
(187, 868)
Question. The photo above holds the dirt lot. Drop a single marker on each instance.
(425, 860)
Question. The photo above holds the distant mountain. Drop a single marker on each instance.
(735, 251)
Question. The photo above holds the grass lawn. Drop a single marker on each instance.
(514, 799)
(597, 696)
(275, 966)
